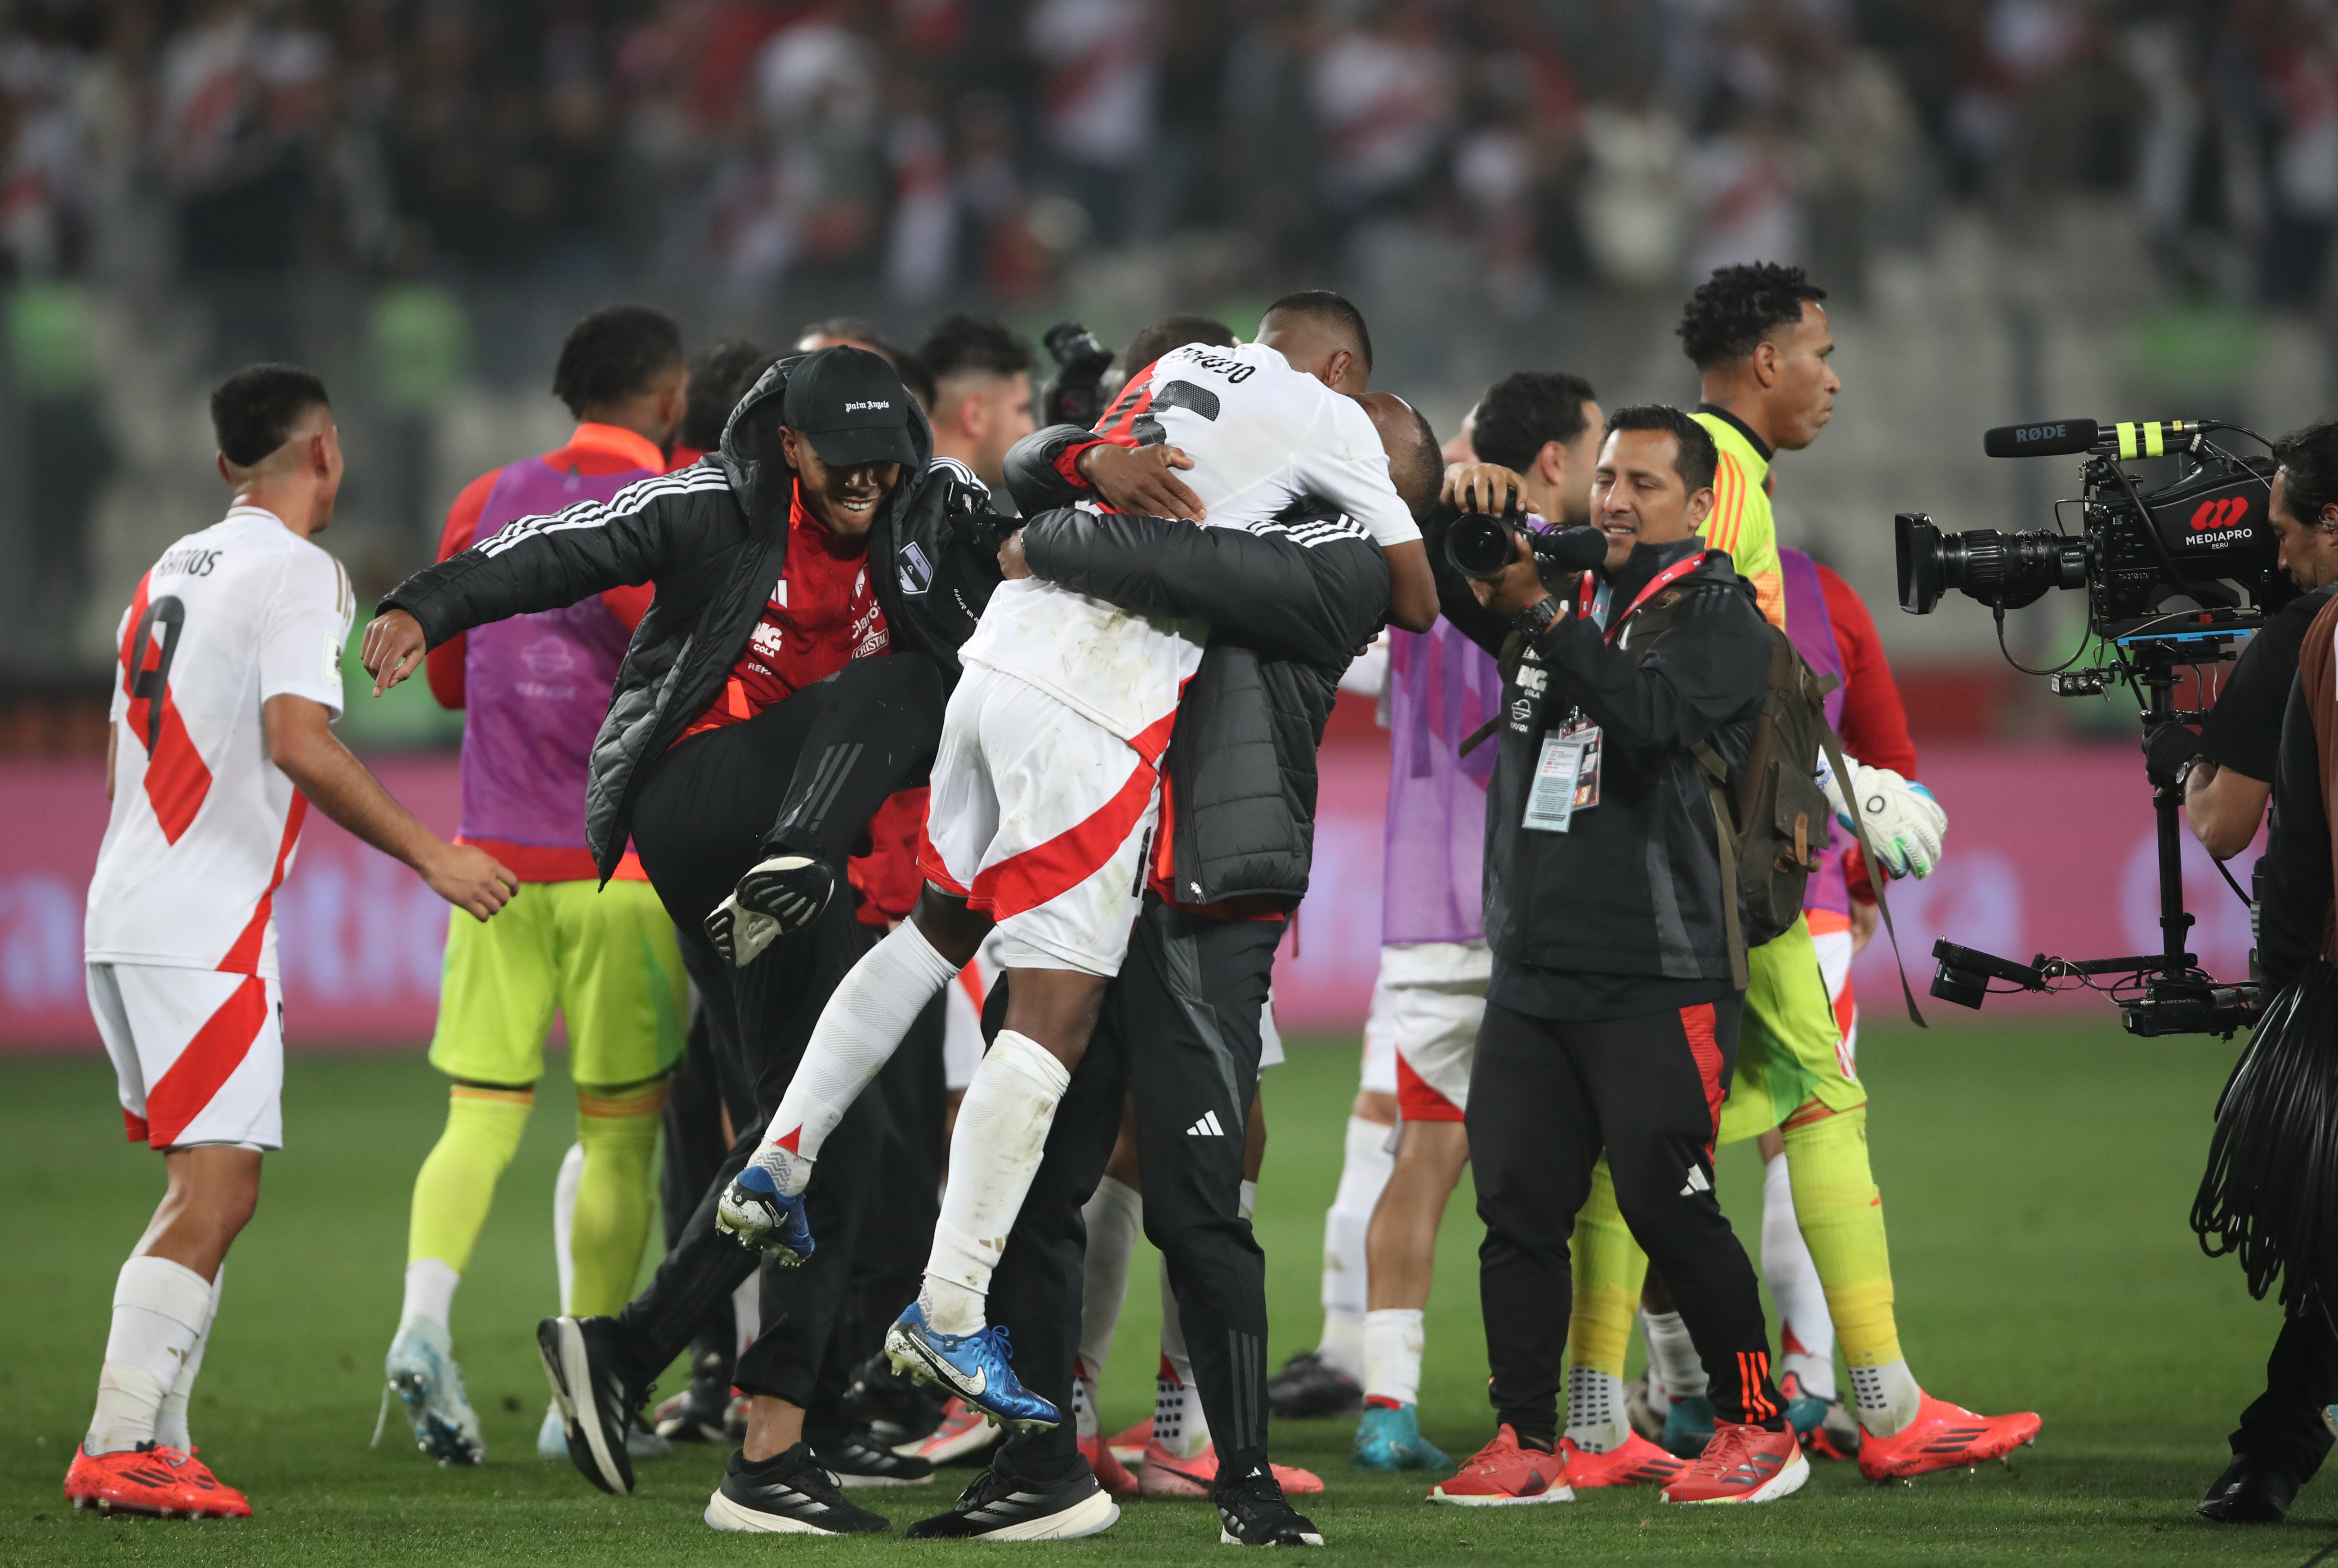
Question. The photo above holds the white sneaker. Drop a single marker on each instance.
(422, 1373)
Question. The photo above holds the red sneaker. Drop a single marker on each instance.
(1110, 1473)
(1943, 1437)
(1164, 1474)
(964, 1433)
(1743, 1463)
(1502, 1473)
(1636, 1462)
(1128, 1444)
(151, 1480)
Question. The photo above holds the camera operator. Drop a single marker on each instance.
(2264, 724)
(2225, 771)
(1612, 1016)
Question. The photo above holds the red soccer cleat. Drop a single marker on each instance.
(1161, 1474)
(964, 1433)
(151, 1480)
(1743, 1463)
(1635, 1463)
(1502, 1473)
(1110, 1473)
(1128, 1444)
(1943, 1437)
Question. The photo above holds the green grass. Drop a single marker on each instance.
(2036, 1183)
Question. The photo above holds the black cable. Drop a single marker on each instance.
(2269, 1193)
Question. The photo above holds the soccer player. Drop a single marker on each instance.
(231, 674)
(812, 583)
(534, 690)
(1044, 798)
(1759, 336)
(982, 392)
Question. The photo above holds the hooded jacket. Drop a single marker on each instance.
(1633, 886)
(1288, 603)
(713, 538)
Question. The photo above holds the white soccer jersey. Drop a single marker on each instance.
(203, 824)
(1262, 436)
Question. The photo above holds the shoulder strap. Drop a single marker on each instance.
(1875, 873)
(1725, 840)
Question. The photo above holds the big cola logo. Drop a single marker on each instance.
(2225, 513)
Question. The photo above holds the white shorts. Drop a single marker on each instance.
(1039, 819)
(1834, 967)
(1270, 1036)
(198, 1055)
(1434, 996)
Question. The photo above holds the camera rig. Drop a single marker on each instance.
(2174, 577)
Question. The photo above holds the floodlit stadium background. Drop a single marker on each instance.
(2022, 208)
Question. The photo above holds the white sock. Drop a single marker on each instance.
(170, 1419)
(1672, 1355)
(160, 1310)
(1178, 1423)
(1085, 1424)
(1887, 1397)
(995, 1149)
(429, 1293)
(747, 1310)
(1805, 1329)
(1393, 1337)
(564, 1219)
(1346, 1284)
(857, 1034)
(1113, 1217)
(1595, 1410)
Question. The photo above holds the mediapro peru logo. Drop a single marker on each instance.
(2225, 512)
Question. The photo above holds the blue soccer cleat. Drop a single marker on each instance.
(1688, 1427)
(755, 1213)
(974, 1367)
(1388, 1439)
(421, 1371)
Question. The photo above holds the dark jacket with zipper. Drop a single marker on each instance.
(1288, 603)
(1633, 888)
(714, 538)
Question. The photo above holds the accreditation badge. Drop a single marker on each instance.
(1550, 798)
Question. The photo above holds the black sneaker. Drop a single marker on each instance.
(787, 1495)
(1310, 1386)
(1002, 1508)
(861, 1459)
(596, 1406)
(1253, 1512)
(896, 1409)
(2249, 1492)
(699, 1413)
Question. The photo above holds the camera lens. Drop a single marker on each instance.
(1479, 545)
(2009, 569)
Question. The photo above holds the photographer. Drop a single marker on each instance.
(2266, 722)
(1611, 1019)
(2225, 771)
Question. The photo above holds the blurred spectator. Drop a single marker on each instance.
(1102, 59)
(69, 456)
(1383, 89)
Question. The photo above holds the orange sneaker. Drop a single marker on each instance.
(151, 1480)
(1128, 1446)
(1503, 1473)
(1743, 1463)
(1161, 1474)
(965, 1434)
(1636, 1462)
(1943, 1437)
(1110, 1473)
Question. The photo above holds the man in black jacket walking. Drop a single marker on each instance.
(1611, 1020)
(750, 719)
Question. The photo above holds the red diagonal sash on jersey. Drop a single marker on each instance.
(176, 778)
(208, 1060)
(243, 958)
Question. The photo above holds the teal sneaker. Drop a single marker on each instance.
(1388, 1439)
(422, 1373)
(1688, 1427)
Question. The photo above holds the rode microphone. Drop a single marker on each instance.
(2128, 440)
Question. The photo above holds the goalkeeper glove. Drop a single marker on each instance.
(1904, 824)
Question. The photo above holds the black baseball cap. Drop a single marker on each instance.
(852, 407)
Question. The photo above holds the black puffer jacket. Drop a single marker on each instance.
(1634, 886)
(1288, 603)
(714, 538)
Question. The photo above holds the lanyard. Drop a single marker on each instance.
(1595, 596)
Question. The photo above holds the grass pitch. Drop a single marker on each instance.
(2037, 1180)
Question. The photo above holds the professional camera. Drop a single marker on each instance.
(2175, 578)
(1076, 396)
(1482, 545)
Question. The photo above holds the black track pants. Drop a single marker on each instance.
(1181, 1029)
(824, 760)
(898, 1236)
(1545, 1098)
(691, 1154)
(2284, 1425)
